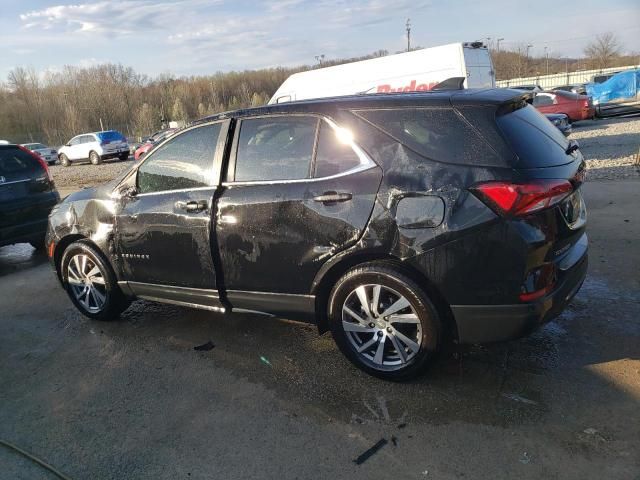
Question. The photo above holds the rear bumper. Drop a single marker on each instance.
(494, 323)
(25, 232)
(114, 154)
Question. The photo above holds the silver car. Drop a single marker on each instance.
(48, 154)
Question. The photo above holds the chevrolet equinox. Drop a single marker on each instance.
(395, 221)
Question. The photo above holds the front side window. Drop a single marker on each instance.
(334, 154)
(275, 148)
(186, 161)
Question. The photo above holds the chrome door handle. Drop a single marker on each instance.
(193, 206)
(329, 198)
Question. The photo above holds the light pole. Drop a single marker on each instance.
(488, 42)
(319, 59)
(527, 62)
(408, 25)
(546, 56)
(498, 43)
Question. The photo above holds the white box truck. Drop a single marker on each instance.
(416, 71)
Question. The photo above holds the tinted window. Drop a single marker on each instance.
(110, 136)
(333, 155)
(439, 134)
(275, 148)
(534, 139)
(16, 164)
(87, 139)
(186, 161)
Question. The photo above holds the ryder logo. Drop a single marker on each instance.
(414, 86)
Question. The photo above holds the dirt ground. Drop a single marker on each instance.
(272, 399)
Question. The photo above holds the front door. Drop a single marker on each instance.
(296, 194)
(163, 229)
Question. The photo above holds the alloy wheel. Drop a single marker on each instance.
(87, 283)
(381, 326)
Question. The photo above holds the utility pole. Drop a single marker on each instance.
(546, 55)
(498, 43)
(488, 42)
(408, 25)
(527, 62)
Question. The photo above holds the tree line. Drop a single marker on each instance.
(52, 107)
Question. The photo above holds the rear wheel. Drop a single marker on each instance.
(383, 322)
(64, 160)
(94, 158)
(124, 156)
(91, 283)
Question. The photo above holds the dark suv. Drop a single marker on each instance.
(27, 195)
(395, 221)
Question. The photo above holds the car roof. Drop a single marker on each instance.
(493, 96)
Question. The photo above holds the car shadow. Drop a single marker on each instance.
(18, 257)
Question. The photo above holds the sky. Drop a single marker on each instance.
(196, 37)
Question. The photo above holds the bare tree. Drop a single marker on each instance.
(603, 50)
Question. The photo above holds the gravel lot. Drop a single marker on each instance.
(611, 147)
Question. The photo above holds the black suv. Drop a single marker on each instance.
(391, 220)
(27, 195)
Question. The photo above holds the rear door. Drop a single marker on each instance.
(298, 191)
(164, 231)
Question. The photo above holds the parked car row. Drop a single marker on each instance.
(152, 141)
(94, 147)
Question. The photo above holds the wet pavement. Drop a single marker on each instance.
(272, 399)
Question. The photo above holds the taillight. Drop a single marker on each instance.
(522, 198)
(43, 164)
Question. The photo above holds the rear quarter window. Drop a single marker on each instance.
(534, 139)
(439, 134)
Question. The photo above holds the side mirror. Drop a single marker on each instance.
(129, 191)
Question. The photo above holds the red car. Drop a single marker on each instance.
(157, 137)
(576, 107)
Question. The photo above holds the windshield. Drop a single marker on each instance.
(35, 146)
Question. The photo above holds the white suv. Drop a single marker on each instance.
(95, 147)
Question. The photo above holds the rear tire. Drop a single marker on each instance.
(64, 160)
(94, 158)
(91, 283)
(123, 157)
(384, 322)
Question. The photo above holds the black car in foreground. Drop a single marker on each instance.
(27, 195)
(396, 221)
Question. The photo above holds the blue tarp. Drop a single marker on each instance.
(622, 86)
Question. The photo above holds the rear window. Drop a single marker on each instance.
(16, 164)
(534, 139)
(436, 133)
(110, 136)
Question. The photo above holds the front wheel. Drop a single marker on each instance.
(64, 160)
(384, 322)
(91, 283)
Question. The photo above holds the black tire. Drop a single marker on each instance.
(123, 157)
(115, 301)
(393, 281)
(64, 160)
(94, 158)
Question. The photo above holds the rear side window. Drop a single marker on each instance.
(17, 165)
(185, 161)
(275, 148)
(334, 155)
(534, 139)
(436, 133)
